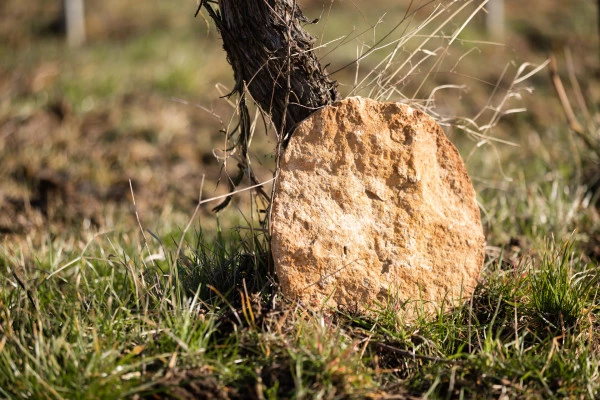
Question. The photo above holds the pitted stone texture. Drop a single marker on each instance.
(374, 202)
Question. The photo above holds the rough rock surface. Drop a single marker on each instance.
(373, 202)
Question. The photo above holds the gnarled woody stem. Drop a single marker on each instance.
(271, 54)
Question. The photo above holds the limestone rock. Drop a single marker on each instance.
(374, 202)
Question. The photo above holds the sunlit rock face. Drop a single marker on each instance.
(374, 203)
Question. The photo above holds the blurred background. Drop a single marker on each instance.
(134, 93)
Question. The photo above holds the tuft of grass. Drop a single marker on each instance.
(219, 271)
(562, 286)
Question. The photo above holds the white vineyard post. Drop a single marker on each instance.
(495, 19)
(74, 17)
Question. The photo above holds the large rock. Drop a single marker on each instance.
(373, 202)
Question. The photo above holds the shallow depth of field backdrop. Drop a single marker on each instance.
(140, 101)
(107, 148)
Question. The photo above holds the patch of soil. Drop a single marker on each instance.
(190, 384)
(65, 169)
(592, 247)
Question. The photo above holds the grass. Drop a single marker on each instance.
(94, 324)
(561, 285)
(92, 306)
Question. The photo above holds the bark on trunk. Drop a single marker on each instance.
(271, 55)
